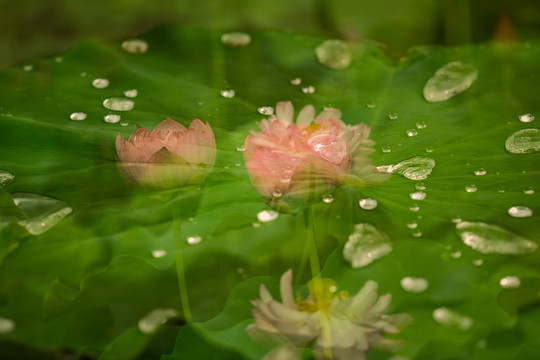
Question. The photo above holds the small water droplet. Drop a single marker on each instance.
(429, 149)
(267, 215)
(451, 319)
(480, 172)
(158, 253)
(151, 321)
(528, 190)
(124, 122)
(228, 94)
(277, 193)
(418, 195)
(100, 83)
(365, 245)
(421, 125)
(386, 149)
(456, 254)
(368, 204)
(235, 39)
(414, 285)
(265, 110)
(135, 46)
(487, 239)
(241, 148)
(6, 178)
(523, 141)
(194, 240)
(328, 198)
(420, 186)
(118, 104)
(296, 81)
(77, 116)
(370, 105)
(334, 54)
(501, 190)
(416, 168)
(526, 118)
(520, 211)
(414, 207)
(456, 220)
(112, 118)
(417, 234)
(58, 59)
(256, 224)
(6, 325)
(471, 188)
(393, 116)
(510, 282)
(131, 93)
(449, 81)
(308, 90)
(412, 132)
(28, 67)
(412, 225)
(478, 262)
(42, 212)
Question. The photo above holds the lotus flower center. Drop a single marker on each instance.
(322, 291)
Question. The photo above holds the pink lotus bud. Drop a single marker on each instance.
(292, 164)
(169, 156)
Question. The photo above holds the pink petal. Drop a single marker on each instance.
(328, 113)
(168, 124)
(127, 152)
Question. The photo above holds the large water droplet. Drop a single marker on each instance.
(451, 319)
(43, 212)
(135, 46)
(520, 211)
(365, 245)
(265, 110)
(267, 215)
(77, 116)
(131, 93)
(194, 240)
(228, 93)
(308, 90)
(6, 178)
(416, 168)
(368, 204)
(487, 239)
(523, 141)
(151, 321)
(6, 325)
(510, 282)
(526, 118)
(414, 284)
(417, 195)
(112, 118)
(450, 80)
(100, 83)
(119, 104)
(235, 39)
(334, 54)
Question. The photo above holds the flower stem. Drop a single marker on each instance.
(182, 287)
(311, 242)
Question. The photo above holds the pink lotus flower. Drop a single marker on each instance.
(291, 164)
(169, 156)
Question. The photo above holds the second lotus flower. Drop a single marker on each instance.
(293, 164)
(169, 156)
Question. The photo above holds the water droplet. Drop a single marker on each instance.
(308, 90)
(451, 319)
(418, 195)
(393, 116)
(412, 225)
(429, 149)
(6, 178)
(510, 282)
(501, 190)
(194, 240)
(523, 141)
(334, 54)
(365, 245)
(528, 191)
(151, 321)
(414, 284)
(520, 211)
(78, 116)
(124, 122)
(6, 325)
(488, 239)
(368, 204)
(158, 253)
(296, 81)
(412, 132)
(450, 80)
(228, 94)
(370, 105)
(265, 110)
(112, 118)
(118, 104)
(277, 193)
(471, 188)
(456, 254)
(386, 149)
(43, 212)
(131, 93)
(457, 220)
(58, 59)
(417, 234)
(416, 168)
(135, 46)
(414, 207)
(478, 262)
(241, 148)
(28, 67)
(237, 163)
(267, 215)
(526, 118)
(420, 186)
(100, 83)
(421, 125)
(235, 39)
(328, 198)
(480, 172)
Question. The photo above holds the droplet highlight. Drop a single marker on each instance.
(450, 80)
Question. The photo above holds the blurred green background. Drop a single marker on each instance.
(37, 28)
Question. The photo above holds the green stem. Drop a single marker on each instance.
(184, 299)
(311, 242)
